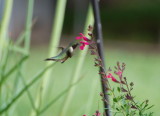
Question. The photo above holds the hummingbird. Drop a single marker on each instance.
(65, 53)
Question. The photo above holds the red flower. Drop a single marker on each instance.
(84, 115)
(119, 73)
(112, 77)
(82, 37)
(115, 80)
(83, 44)
(109, 75)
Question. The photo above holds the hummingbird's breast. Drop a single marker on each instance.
(70, 52)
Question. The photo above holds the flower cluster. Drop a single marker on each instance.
(118, 72)
(84, 42)
(93, 49)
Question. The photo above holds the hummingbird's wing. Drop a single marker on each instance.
(60, 56)
(62, 48)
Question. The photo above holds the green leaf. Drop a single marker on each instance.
(13, 69)
(122, 107)
(115, 100)
(118, 89)
(117, 109)
(145, 105)
(150, 107)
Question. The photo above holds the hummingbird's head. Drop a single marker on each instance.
(75, 45)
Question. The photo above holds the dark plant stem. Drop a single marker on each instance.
(99, 40)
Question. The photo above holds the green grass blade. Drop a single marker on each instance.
(6, 76)
(55, 100)
(55, 38)
(21, 37)
(28, 24)
(89, 103)
(19, 94)
(27, 90)
(60, 95)
(79, 64)
(4, 61)
(5, 24)
(19, 50)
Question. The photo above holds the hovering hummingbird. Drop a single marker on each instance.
(65, 53)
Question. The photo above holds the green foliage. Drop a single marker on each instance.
(124, 103)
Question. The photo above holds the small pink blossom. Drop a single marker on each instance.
(112, 77)
(78, 37)
(84, 115)
(109, 75)
(115, 80)
(83, 44)
(82, 37)
(82, 47)
(119, 73)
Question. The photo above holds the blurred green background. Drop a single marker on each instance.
(142, 68)
(131, 31)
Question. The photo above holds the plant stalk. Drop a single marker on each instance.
(4, 25)
(78, 68)
(28, 25)
(99, 39)
(55, 39)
